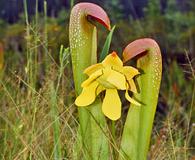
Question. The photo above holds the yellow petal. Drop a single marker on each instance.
(111, 106)
(91, 78)
(99, 89)
(112, 60)
(87, 95)
(132, 86)
(93, 68)
(117, 79)
(131, 99)
(130, 72)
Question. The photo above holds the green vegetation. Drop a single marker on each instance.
(38, 118)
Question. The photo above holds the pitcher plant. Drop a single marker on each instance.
(109, 76)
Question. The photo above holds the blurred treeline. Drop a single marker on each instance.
(170, 22)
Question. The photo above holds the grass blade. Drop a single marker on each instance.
(56, 123)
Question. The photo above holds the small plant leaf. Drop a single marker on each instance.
(107, 43)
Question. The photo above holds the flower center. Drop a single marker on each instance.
(105, 83)
(104, 78)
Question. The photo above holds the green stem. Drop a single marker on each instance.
(1, 58)
(45, 55)
(56, 123)
(28, 41)
(36, 67)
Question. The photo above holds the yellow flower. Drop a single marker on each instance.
(110, 75)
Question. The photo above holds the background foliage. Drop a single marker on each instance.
(27, 111)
